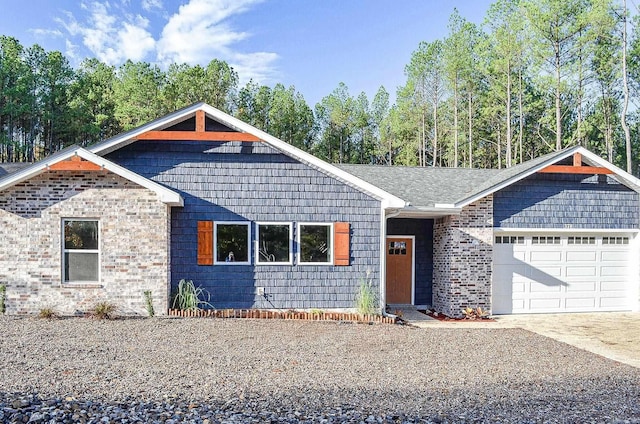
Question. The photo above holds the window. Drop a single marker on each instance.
(545, 240)
(315, 244)
(81, 250)
(615, 240)
(232, 243)
(274, 243)
(509, 239)
(581, 240)
(397, 248)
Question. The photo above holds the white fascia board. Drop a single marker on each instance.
(437, 212)
(167, 196)
(624, 176)
(516, 178)
(128, 137)
(387, 199)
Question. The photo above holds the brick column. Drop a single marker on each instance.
(462, 258)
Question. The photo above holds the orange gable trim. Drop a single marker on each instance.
(197, 136)
(576, 168)
(75, 163)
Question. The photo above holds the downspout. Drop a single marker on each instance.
(383, 256)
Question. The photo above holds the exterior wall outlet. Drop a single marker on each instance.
(260, 291)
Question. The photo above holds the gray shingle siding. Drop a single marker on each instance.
(253, 182)
(422, 229)
(566, 201)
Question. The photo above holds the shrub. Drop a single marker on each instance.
(367, 302)
(148, 298)
(3, 294)
(477, 313)
(104, 310)
(47, 313)
(188, 297)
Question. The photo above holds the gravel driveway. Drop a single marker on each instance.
(215, 370)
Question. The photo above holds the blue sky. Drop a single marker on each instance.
(311, 44)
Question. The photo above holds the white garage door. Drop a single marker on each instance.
(561, 273)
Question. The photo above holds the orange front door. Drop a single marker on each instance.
(399, 270)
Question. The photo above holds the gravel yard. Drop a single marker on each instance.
(215, 370)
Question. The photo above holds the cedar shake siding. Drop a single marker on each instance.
(554, 201)
(422, 229)
(252, 182)
(133, 240)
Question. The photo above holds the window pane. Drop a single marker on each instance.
(80, 266)
(273, 243)
(81, 235)
(315, 243)
(232, 243)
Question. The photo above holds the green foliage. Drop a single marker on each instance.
(47, 313)
(104, 310)
(148, 299)
(188, 297)
(367, 301)
(3, 295)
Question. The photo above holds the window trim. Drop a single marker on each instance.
(64, 250)
(299, 245)
(257, 242)
(215, 242)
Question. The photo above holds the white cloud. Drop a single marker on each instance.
(200, 32)
(111, 38)
(44, 33)
(149, 5)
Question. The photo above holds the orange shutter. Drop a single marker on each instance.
(341, 237)
(205, 242)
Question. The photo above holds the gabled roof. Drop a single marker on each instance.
(516, 173)
(449, 189)
(73, 155)
(388, 199)
(11, 167)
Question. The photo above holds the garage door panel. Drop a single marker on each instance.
(580, 256)
(537, 287)
(613, 271)
(619, 303)
(583, 286)
(581, 303)
(545, 256)
(544, 304)
(615, 255)
(609, 286)
(583, 272)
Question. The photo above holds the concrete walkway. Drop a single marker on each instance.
(614, 335)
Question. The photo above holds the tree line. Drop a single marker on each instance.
(535, 76)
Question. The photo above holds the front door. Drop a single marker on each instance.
(399, 270)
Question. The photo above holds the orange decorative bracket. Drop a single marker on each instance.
(197, 136)
(75, 163)
(576, 168)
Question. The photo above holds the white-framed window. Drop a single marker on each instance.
(231, 245)
(274, 243)
(80, 250)
(315, 243)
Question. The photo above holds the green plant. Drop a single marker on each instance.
(367, 302)
(3, 294)
(47, 313)
(104, 310)
(316, 311)
(475, 313)
(148, 298)
(188, 297)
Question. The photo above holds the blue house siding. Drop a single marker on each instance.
(238, 181)
(422, 229)
(566, 201)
